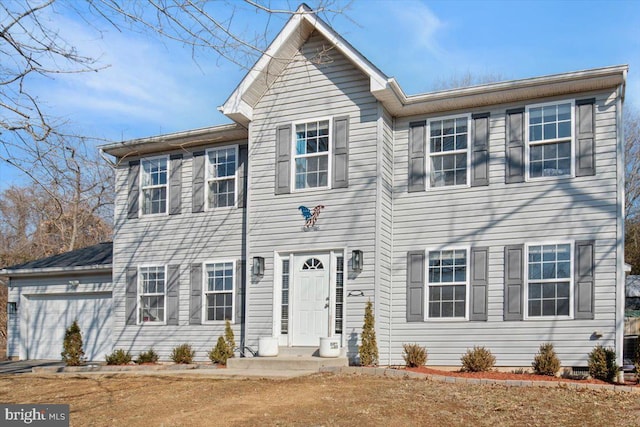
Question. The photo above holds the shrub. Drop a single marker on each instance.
(148, 356)
(546, 362)
(477, 360)
(118, 357)
(183, 354)
(414, 355)
(368, 350)
(602, 363)
(220, 353)
(72, 353)
(229, 337)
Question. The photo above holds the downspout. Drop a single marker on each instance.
(393, 147)
(620, 289)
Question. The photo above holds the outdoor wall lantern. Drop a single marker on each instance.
(74, 283)
(357, 261)
(258, 266)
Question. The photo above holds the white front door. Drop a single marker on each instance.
(310, 299)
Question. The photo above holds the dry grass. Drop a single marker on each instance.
(317, 400)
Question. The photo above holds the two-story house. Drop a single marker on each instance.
(490, 215)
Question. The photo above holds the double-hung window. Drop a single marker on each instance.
(311, 153)
(152, 288)
(219, 288)
(221, 176)
(549, 279)
(447, 281)
(154, 185)
(448, 161)
(549, 129)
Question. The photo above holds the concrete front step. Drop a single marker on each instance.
(286, 363)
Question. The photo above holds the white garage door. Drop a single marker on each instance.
(50, 315)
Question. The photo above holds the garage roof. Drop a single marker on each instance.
(96, 257)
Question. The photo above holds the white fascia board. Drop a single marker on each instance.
(57, 271)
(233, 104)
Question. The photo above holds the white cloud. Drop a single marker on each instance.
(422, 23)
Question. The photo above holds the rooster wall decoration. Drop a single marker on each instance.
(310, 215)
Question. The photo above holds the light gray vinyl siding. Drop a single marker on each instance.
(571, 209)
(173, 240)
(21, 289)
(307, 91)
(384, 239)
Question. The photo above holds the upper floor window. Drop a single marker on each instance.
(221, 176)
(154, 185)
(447, 284)
(549, 139)
(311, 152)
(549, 280)
(151, 294)
(448, 152)
(219, 290)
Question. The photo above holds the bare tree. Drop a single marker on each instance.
(465, 80)
(632, 162)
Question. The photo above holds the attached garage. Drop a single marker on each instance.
(50, 315)
(47, 295)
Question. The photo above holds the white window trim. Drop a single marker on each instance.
(207, 178)
(142, 187)
(527, 144)
(570, 280)
(294, 156)
(467, 285)
(140, 294)
(205, 292)
(428, 152)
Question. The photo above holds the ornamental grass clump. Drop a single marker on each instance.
(149, 356)
(414, 355)
(602, 363)
(73, 353)
(477, 360)
(183, 354)
(118, 357)
(546, 362)
(368, 350)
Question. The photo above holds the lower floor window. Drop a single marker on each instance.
(447, 283)
(219, 291)
(152, 294)
(549, 275)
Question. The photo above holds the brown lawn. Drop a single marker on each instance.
(322, 399)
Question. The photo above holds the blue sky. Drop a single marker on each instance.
(152, 87)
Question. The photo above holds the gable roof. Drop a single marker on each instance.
(96, 257)
(239, 106)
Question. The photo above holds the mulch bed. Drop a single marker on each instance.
(495, 375)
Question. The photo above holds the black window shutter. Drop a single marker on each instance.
(240, 290)
(479, 283)
(134, 189)
(198, 182)
(283, 159)
(417, 147)
(514, 153)
(480, 150)
(173, 294)
(415, 286)
(175, 184)
(340, 152)
(131, 298)
(585, 137)
(514, 282)
(584, 279)
(243, 170)
(195, 299)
